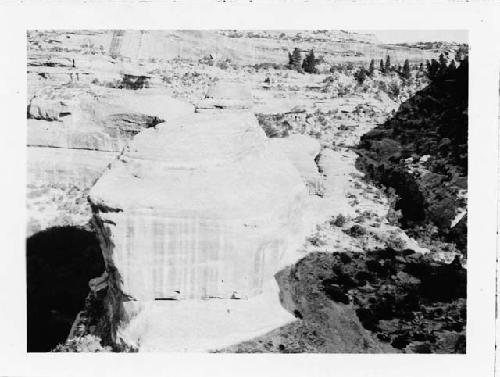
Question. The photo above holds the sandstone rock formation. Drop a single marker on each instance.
(302, 151)
(73, 134)
(228, 95)
(96, 118)
(199, 207)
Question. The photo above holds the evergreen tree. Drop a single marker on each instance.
(406, 70)
(382, 67)
(387, 67)
(309, 63)
(462, 73)
(372, 67)
(443, 62)
(295, 60)
(452, 67)
(433, 70)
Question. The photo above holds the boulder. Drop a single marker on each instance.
(201, 207)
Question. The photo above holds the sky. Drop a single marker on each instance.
(400, 36)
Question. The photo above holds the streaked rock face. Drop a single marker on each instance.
(199, 207)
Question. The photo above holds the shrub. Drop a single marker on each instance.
(338, 221)
(87, 343)
(317, 239)
(393, 89)
(395, 241)
(356, 231)
(360, 76)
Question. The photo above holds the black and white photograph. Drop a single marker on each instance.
(247, 191)
(249, 188)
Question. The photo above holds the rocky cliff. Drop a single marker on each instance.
(187, 209)
(74, 132)
(200, 207)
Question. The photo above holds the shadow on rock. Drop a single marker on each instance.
(60, 263)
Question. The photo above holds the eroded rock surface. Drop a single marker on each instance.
(97, 118)
(199, 207)
(73, 135)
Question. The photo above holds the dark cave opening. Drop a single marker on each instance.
(60, 262)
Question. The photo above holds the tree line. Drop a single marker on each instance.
(308, 64)
(434, 69)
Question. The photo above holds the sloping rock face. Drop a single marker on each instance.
(302, 151)
(226, 95)
(96, 118)
(196, 208)
(73, 135)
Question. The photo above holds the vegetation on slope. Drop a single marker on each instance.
(405, 298)
(421, 152)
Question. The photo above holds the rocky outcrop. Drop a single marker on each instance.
(200, 207)
(302, 151)
(73, 135)
(96, 118)
(226, 95)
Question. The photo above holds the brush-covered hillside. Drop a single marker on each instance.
(421, 154)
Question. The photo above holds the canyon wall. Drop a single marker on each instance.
(73, 134)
